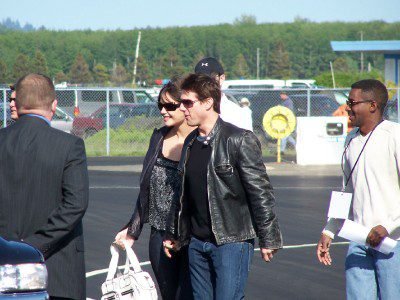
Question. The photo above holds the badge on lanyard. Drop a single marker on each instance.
(339, 206)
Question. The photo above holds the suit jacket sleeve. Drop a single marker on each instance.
(259, 192)
(75, 196)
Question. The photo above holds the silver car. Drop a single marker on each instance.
(62, 121)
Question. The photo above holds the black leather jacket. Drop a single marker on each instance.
(240, 196)
(141, 212)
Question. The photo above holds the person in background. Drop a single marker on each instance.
(230, 112)
(372, 173)
(159, 185)
(287, 102)
(245, 104)
(13, 108)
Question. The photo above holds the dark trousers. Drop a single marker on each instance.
(172, 274)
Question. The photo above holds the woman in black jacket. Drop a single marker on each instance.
(159, 184)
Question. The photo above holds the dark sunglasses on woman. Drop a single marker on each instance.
(168, 106)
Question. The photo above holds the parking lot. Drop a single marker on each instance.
(302, 195)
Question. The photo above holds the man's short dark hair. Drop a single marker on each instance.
(172, 88)
(375, 90)
(205, 87)
(35, 91)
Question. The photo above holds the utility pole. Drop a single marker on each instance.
(136, 59)
(258, 63)
(362, 55)
(333, 75)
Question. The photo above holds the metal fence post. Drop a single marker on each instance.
(308, 102)
(108, 123)
(76, 98)
(4, 109)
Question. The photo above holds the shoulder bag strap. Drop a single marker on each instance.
(112, 269)
(131, 259)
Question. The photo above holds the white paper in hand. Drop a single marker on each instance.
(354, 232)
(339, 206)
(386, 246)
(357, 233)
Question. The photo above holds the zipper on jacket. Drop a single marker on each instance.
(208, 194)
(183, 185)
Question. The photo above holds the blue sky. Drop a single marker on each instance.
(125, 14)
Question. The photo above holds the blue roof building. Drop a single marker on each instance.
(390, 50)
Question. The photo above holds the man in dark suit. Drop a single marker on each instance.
(44, 187)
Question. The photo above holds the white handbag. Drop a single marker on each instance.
(133, 283)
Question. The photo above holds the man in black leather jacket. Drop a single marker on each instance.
(226, 198)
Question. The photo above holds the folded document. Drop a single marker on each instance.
(357, 233)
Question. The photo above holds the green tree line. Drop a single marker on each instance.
(300, 49)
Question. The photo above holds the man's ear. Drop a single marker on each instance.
(373, 106)
(221, 79)
(54, 106)
(209, 103)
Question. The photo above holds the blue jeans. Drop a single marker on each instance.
(284, 141)
(219, 272)
(371, 274)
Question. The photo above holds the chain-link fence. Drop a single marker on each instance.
(120, 121)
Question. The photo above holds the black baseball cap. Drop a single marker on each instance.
(208, 65)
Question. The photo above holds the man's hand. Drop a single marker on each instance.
(376, 235)
(170, 245)
(267, 254)
(323, 254)
(123, 235)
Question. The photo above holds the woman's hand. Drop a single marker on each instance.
(123, 235)
(169, 247)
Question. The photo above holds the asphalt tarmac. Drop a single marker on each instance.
(302, 198)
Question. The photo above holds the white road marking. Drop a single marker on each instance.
(146, 263)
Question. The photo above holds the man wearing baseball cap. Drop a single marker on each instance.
(230, 112)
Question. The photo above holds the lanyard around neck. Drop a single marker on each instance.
(347, 179)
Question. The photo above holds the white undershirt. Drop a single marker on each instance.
(375, 182)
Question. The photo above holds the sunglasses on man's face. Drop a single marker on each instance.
(188, 103)
(11, 99)
(168, 106)
(350, 103)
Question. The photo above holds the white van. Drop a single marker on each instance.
(300, 83)
(254, 84)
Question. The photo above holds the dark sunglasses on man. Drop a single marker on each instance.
(10, 99)
(188, 103)
(350, 103)
(168, 106)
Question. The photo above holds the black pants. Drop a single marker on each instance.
(172, 274)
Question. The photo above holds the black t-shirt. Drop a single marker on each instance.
(196, 191)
